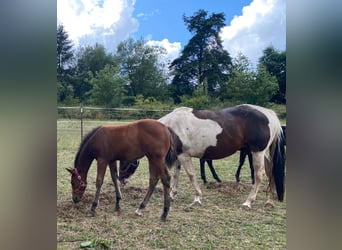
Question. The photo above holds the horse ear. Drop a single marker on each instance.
(69, 170)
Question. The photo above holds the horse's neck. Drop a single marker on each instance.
(84, 164)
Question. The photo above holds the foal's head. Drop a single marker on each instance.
(77, 184)
(126, 170)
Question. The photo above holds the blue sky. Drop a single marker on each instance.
(159, 19)
(251, 25)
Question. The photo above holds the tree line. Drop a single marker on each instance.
(204, 75)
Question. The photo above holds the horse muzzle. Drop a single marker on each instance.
(75, 199)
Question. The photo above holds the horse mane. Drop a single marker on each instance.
(84, 141)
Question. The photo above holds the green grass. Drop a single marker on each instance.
(219, 223)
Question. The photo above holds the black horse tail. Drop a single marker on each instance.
(176, 148)
(278, 160)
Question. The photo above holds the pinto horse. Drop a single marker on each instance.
(218, 134)
(128, 142)
(243, 153)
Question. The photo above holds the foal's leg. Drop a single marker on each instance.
(154, 178)
(101, 170)
(202, 162)
(185, 160)
(165, 179)
(258, 162)
(213, 172)
(114, 174)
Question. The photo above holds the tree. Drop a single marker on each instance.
(203, 58)
(107, 87)
(64, 54)
(89, 60)
(140, 63)
(275, 63)
(248, 86)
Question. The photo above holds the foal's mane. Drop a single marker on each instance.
(84, 141)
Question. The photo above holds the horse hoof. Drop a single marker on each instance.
(246, 206)
(196, 202)
(91, 214)
(173, 195)
(137, 212)
(269, 205)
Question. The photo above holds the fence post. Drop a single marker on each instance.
(81, 121)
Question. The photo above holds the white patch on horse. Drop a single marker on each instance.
(196, 134)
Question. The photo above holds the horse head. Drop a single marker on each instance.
(126, 170)
(77, 184)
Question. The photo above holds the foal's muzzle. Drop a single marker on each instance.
(75, 199)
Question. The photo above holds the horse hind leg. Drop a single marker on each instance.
(101, 170)
(165, 179)
(114, 175)
(271, 185)
(258, 163)
(154, 178)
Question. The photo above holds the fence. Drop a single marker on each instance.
(96, 113)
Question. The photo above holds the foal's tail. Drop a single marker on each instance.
(175, 149)
(278, 160)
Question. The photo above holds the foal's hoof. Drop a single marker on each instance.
(91, 214)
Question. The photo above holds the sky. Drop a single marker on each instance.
(251, 25)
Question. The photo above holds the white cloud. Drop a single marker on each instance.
(172, 49)
(89, 21)
(261, 24)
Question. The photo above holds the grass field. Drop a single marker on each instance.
(219, 223)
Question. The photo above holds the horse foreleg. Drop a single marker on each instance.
(114, 174)
(101, 170)
(213, 172)
(258, 162)
(202, 169)
(173, 192)
(241, 162)
(187, 164)
(154, 178)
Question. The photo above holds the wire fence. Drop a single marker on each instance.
(106, 114)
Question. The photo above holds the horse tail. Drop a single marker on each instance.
(175, 149)
(278, 160)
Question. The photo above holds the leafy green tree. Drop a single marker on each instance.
(89, 60)
(275, 63)
(249, 86)
(140, 63)
(107, 87)
(203, 58)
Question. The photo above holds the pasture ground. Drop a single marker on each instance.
(219, 223)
